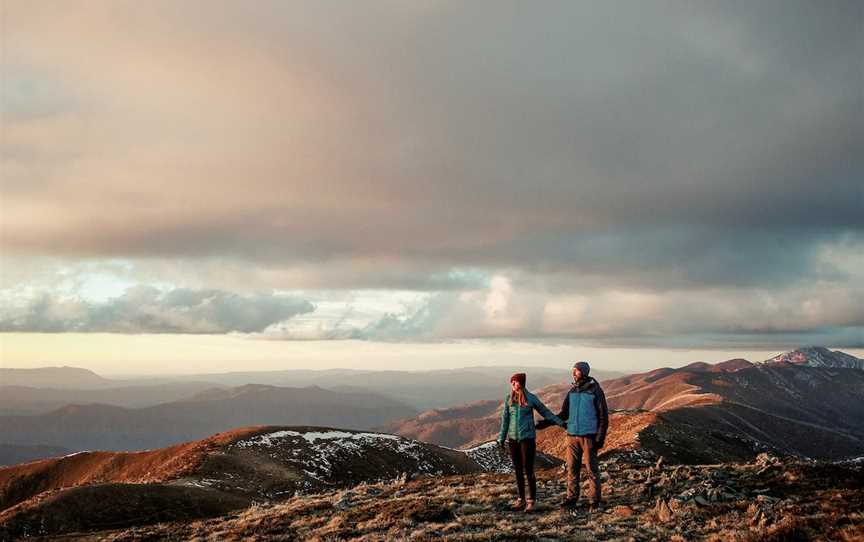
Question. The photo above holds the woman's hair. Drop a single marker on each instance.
(518, 396)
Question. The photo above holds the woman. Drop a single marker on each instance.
(517, 428)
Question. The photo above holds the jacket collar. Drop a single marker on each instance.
(583, 384)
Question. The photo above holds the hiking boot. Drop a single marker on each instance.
(518, 505)
(529, 506)
(595, 506)
(569, 503)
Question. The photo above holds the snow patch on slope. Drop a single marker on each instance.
(490, 457)
(321, 454)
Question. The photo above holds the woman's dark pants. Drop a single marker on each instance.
(522, 454)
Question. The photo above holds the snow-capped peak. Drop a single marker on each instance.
(819, 356)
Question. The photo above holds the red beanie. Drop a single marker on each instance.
(519, 377)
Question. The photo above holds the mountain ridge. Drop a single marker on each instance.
(750, 407)
(65, 376)
(818, 356)
(226, 471)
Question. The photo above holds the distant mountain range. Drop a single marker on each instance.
(107, 427)
(421, 389)
(807, 402)
(38, 391)
(54, 377)
(76, 409)
(25, 400)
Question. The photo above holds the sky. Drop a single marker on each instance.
(393, 184)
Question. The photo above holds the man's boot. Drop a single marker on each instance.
(569, 503)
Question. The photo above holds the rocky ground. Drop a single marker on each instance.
(769, 499)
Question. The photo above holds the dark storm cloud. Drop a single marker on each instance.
(686, 256)
(463, 126)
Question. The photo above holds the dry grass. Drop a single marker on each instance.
(803, 502)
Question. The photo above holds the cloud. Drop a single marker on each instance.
(310, 141)
(144, 309)
(821, 314)
(614, 156)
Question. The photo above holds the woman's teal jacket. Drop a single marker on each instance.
(517, 422)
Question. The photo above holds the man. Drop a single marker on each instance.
(587, 418)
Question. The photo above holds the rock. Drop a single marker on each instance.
(767, 500)
(760, 515)
(621, 511)
(662, 511)
(759, 519)
(701, 501)
(767, 460)
(344, 501)
(718, 475)
(647, 490)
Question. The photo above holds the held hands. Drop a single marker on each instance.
(543, 424)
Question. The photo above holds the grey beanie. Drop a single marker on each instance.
(583, 367)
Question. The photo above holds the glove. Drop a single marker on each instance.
(598, 444)
(542, 424)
